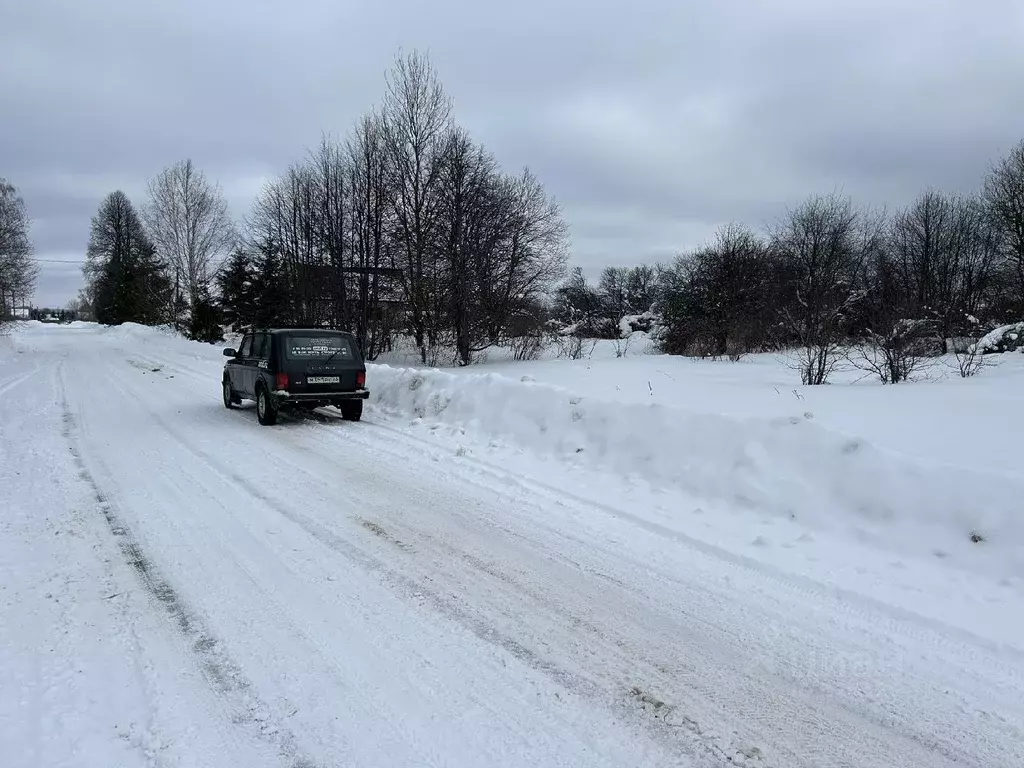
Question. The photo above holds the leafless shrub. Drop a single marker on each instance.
(527, 347)
(567, 341)
(736, 348)
(816, 362)
(528, 333)
(571, 346)
(970, 360)
(439, 350)
(896, 354)
(622, 344)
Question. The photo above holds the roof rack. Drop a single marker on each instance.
(274, 328)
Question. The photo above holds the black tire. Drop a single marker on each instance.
(230, 398)
(266, 408)
(351, 410)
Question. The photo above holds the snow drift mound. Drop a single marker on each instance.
(790, 466)
(1006, 338)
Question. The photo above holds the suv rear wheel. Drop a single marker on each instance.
(266, 408)
(351, 410)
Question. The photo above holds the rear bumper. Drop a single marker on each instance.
(283, 398)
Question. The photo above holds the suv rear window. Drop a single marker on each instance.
(317, 347)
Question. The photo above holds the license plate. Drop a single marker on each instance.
(323, 380)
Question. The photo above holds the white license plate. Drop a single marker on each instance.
(323, 380)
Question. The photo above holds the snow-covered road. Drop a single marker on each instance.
(181, 587)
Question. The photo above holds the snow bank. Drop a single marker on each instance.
(167, 337)
(747, 449)
(648, 323)
(787, 466)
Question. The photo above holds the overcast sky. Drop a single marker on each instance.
(652, 121)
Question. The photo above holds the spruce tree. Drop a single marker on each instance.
(235, 282)
(270, 302)
(126, 277)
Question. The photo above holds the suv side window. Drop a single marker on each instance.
(246, 349)
(261, 346)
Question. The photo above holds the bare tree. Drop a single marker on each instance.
(371, 247)
(1004, 195)
(640, 288)
(285, 225)
(79, 309)
(408, 226)
(577, 309)
(612, 286)
(735, 273)
(536, 252)
(470, 216)
(189, 223)
(822, 245)
(943, 254)
(18, 272)
(329, 168)
(977, 263)
(503, 246)
(416, 120)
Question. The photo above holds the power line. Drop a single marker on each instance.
(57, 261)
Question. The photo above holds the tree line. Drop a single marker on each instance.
(18, 270)
(827, 278)
(406, 226)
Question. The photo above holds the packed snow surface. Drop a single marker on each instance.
(641, 561)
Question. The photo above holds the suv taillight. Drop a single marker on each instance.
(361, 379)
(282, 381)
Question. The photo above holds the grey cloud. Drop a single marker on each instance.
(653, 122)
(59, 282)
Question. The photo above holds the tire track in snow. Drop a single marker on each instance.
(684, 735)
(221, 672)
(162, 363)
(369, 562)
(999, 672)
(930, 636)
(898, 621)
(684, 732)
(13, 381)
(414, 591)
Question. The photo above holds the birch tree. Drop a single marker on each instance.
(18, 271)
(188, 221)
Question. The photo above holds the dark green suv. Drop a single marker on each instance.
(296, 368)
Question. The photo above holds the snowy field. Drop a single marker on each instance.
(644, 561)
